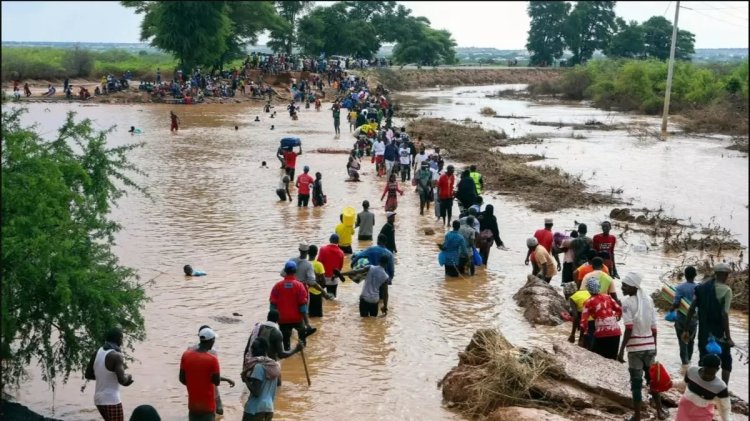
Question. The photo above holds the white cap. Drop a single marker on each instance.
(206, 334)
(532, 242)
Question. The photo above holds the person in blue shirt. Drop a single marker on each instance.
(373, 253)
(454, 246)
(390, 155)
(262, 375)
(685, 290)
(189, 271)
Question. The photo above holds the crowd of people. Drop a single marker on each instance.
(588, 274)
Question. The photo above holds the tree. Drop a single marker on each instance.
(284, 36)
(628, 42)
(334, 30)
(62, 285)
(429, 47)
(249, 19)
(588, 28)
(658, 39)
(545, 41)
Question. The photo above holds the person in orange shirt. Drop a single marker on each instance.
(586, 268)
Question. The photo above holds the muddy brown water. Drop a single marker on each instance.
(213, 207)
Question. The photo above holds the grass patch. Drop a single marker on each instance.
(487, 112)
(543, 188)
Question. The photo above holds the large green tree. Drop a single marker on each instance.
(284, 37)
(335, 30)
(589, 27)
(63, 287)
(628, 42)
(657, 34)
(545, 40)
(427, 47)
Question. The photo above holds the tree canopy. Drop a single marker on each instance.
(63, 287)
(428, 47)
(545, 40)
(589, 28)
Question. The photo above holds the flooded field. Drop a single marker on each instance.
(213, 207)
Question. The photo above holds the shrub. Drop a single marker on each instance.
(78, 62)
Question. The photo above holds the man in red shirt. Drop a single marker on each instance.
(445, 194)
(199, 372)
(546, 239)
(290, 160)
(289, 298)
(606, 242)
(304, 184)
(332, 258)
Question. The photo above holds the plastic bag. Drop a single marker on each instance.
(660, 380)
(713, 347)
(476, 257)
(671, 316)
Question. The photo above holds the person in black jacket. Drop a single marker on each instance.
(467, 191)
(488, 233)
(389, 231)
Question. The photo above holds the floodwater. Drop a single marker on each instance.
(212, 206)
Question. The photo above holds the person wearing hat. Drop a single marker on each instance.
(544, 268)
(290, 298)
(545, 238)
(219, 405)
(605, 242)
(332, 257)
(365, 222)
(200, 373)
(713, 298)
(704, 392)
(605, 312)
(389, 231)
(304, 185)
(639, 317)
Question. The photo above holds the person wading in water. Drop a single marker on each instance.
(175, 121)
(107, 367)
(365, 222)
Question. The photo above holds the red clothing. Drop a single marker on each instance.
(545, 239)
(605, 243)
(332, 257)
(199, 367)
(605, 311)
(288, 295)
(304, 182)
(445, 184)
(290, 158)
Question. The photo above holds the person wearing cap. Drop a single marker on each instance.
(219, 405)
(345, 233)
(545, 238)
(389, 231)
(290, 160)
(392, 190)
(604, 311)
(605, 242)
(290, 298)
(445, 194)
(545, 267)
(200, 373)
(704, 392)
(686, 291)
(639, 317)
(331, 256)
(304, 185)
(107, 367)
(713, 299)
(365, 222)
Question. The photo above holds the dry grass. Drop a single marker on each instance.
(543, 188)
(406, 79)
(487, 112)
(721, 117)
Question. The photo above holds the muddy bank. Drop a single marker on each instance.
(408, 79)
(494, 379)
(544, 189)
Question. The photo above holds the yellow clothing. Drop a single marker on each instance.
(579, 298)
(352, 116)
(319, 270)
(345, 233)
(476, 177)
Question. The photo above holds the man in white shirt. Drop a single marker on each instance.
(378, 150)
(404, 158)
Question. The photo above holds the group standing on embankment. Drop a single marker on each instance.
(588, 272)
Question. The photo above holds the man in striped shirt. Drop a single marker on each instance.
(639, 317)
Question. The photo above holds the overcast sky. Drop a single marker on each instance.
(502, 25)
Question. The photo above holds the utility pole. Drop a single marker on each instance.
(670, 70)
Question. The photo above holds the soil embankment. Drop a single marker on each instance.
(408, 79)
(543, 188)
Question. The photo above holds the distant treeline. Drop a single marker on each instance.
(58, 63)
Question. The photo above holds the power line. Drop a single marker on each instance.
(717, 19)
(718, 11)
(665, 10)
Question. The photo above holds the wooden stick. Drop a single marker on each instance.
(304, 363)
